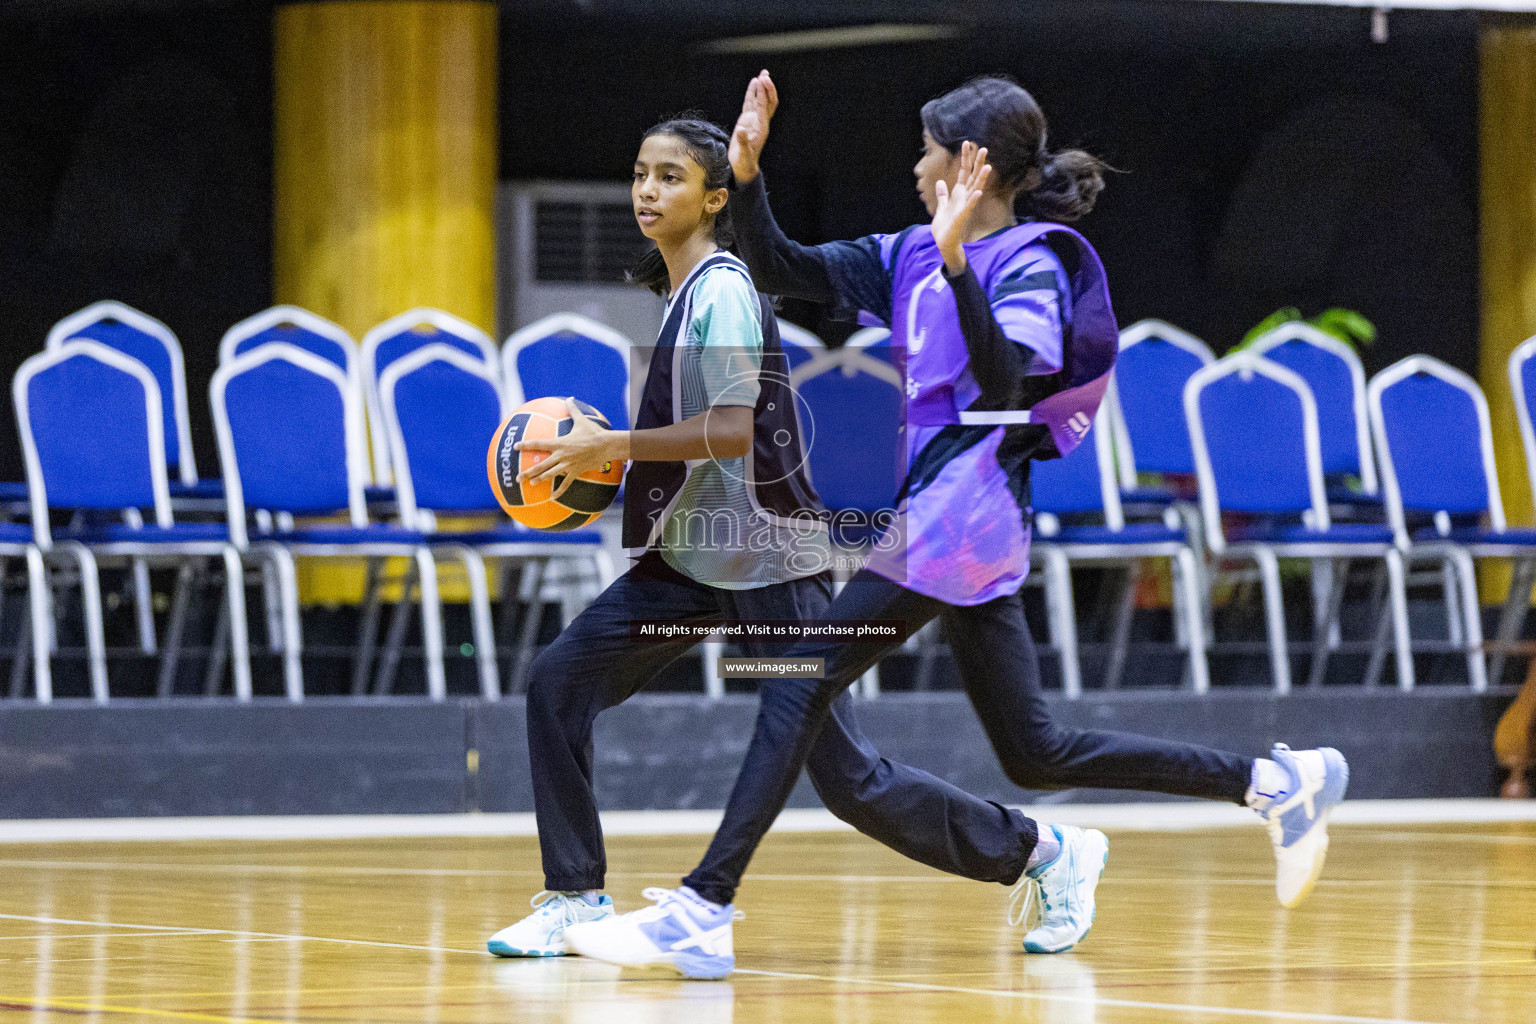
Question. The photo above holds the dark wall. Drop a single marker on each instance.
(135, 164)
(1271, 155)
(369, 756)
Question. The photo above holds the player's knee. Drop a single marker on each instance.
(845, 789)
(1041, 758)
(549, 682)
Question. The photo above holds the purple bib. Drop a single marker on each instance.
(962, 537)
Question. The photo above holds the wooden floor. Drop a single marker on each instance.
(1413, 923)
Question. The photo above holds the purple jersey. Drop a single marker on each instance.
(962, 527)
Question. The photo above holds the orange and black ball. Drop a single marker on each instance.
(530, 503)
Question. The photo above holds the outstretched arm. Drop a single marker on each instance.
(778, 265)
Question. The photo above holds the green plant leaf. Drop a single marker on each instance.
(1269, 323)
(1346, 325)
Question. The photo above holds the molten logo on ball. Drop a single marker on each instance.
(530, 503)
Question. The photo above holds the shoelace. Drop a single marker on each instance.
(663, 899)
(551, 902)
(1024, 899)
(1030, 894)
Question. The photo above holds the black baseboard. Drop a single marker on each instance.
(408, 756)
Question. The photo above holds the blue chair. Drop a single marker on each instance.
(1441, 486)
(851, 394)
(566, 354)
(293, 446)
(92, 432)
(441, 406)
(1333, 371)
(152, 343)
(800, 345)
(149, 341)
(1254, 434)
(1079, 519)
(293, 326)
(1156, 360)
(851, 406)
(399, 336)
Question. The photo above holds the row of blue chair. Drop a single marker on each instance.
(304, 420)
(289, 404)
(1270, 434)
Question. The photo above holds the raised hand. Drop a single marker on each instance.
(955, 206)
(751, 132)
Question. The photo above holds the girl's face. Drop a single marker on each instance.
(668, 192)
(935, 165)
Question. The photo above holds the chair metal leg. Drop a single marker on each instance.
(21, 654)
(1472, 615)
(1397, 596)
(239, 630)
(188, 575)
(367, 629)
(272, 603)
(508, 590)
(480, 620)
(431, 624)
(1512, 619)
(604, 564)
(144, 608)
(394, 636)
(709, 656)
(1187, 579)
(1325, 613)
(1274, 618)
(1058, 595)
(213, 672)
(532, 591)
(40, 611)
(1120, 637)
(1453, 614)
(287, 585)
(95, 634)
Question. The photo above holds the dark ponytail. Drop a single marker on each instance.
(998, 114)
(709, 145)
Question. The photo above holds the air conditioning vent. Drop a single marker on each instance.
(563, 247)
(584, 242)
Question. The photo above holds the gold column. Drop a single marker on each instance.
(384, 170)
(1508, 199)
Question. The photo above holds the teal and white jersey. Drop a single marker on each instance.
(714, 531)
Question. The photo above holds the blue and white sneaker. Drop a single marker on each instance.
(682, 932)
(1297, 818)
(542, 933)
(1064, 891)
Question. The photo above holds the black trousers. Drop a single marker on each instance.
(595, 665)
(1001, 672)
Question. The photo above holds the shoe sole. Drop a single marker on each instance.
(1035, 947)
(502, 949)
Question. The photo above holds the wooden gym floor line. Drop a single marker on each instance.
(1413, 923)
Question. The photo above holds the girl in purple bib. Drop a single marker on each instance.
(1005, 338)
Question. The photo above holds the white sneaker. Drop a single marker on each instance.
(1063, 891)
(1298, 817)
(681, 932)
(542, 933)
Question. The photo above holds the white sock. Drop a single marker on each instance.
(1266, 783)
(1047, 849)
(694, 898)
(594, 897)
